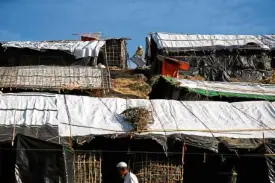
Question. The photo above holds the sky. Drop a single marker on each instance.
(59, 19)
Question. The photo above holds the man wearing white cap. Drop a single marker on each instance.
(128, 176)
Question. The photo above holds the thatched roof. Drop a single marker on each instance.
(54, 77)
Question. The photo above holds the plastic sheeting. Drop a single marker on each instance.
(270, 40)
(139, 61)
(101, 116)
(81, 115)
(270, 160)
(170, 40)
(234, 88)
(190, 90)
(39, 161)
(79, 49)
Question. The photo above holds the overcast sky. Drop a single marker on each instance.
(59, 19)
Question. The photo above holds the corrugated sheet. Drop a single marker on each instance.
(170, 40)
(53, 77)
(79, 49)
(89, 115)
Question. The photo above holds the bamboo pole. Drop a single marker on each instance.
(14, 129)
(89, 168)
(94, 168)
(84, 163)
(212, 131)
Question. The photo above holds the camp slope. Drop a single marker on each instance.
(80, 116)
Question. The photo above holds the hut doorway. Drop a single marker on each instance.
(109, 152)
(113, 152)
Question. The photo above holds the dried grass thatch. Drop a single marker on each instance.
(197, 78)
(131, 86)
(139, 117)
(270, 80)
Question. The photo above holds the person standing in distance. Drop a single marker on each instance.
(125, 173)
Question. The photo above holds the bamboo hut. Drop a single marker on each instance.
(187, 141)
(215, 57)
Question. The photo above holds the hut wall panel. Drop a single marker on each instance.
(116, 53)
(157, 169)
(53, 77)
(87, 167)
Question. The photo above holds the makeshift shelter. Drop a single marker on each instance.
(109, 51)
(31, 160)
(221, 137)
(62, 53)
(216, 57)
(114, 51)
(183, 89)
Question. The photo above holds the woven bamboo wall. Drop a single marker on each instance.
(54, 77)
(87, 167)
(116, 53)
(157, 171)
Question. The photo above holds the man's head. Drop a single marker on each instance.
(139, 47)
(123, 168)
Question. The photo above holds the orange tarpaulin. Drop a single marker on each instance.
(171, 67)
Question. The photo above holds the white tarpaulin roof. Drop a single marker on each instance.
(230, 87)
(171, 40)
(269, 40)
(101, 115)
(79, 49)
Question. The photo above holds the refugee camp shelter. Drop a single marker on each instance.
(114, 51)
(216, 57)
(186, 141)
(33, 160)
(110, 52)
(184, 89)
(60, 53)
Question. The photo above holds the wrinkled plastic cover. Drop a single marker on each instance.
(229, 87)
(83, 115)
(79, 49)
(39, 161)
(172, 40)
